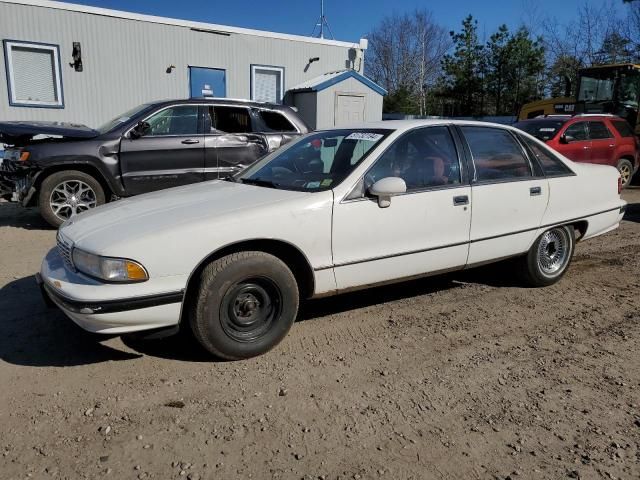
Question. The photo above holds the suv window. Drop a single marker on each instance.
(423, 158)
(598, 131)
(230, 119)
(577, 131)
(496, 154)
(179, 120)
(275, 121)
(623, 128)
(552, 166)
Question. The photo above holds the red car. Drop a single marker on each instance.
(604, 139)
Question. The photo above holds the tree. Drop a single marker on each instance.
(463, 69)
(497, 52)
(404, 57)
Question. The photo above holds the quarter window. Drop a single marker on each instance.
(496, 154)
(179, 120)
(423, 158)
(598, 131)
(275, 121)
(552, 166)
(576, 132)
(33, 72)
(623, 128)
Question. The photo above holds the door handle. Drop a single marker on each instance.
(533, 191)
(461, 200)
(190, 141)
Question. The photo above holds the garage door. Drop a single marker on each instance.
(349, 109)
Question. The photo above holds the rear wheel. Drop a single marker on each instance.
(626, 171)
(68, 193)
(246, 305)
(549, 256)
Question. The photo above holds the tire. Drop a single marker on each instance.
(58, 196)
(626, 171)
(549, 257)
(246, 305)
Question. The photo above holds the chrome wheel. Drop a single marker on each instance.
(625, 173)
(70, 198)
(554, 252)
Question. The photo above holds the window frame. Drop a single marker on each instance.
(274, 68)
(57, 70)
(127, 134)
(568, 125)
(589, 122)
(214, 125)
(354, 196)
(550, 152)
(535, 169)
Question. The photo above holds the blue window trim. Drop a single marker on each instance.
(254, 66)
(6, 43)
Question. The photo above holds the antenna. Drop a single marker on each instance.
(322, 23)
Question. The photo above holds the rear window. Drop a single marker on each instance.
(623, 128)
(541, 129)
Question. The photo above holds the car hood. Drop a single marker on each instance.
(106, 229)
(20, 133)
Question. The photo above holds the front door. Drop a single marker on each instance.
(171, 153)
(508, 201)
(423, 231)
(578, 145)
(349, 109)
(207, 82)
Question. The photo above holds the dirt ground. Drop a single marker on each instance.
(463, 376)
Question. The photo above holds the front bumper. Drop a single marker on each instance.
(111, 308)
(17, 182)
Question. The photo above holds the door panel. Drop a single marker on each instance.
(349, 110)
(229, 153)
(170, 154)
(603, 145)
(578, 149)
(207, 82)
(418, 233)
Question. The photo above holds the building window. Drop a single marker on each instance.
(267, 83)
(33, 74)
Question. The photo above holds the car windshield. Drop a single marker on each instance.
(541, 129)
(316, 162)
(123, 118)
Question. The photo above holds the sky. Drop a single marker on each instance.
(348, 20)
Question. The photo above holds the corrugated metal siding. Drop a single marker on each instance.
(327, 98)
(125, 60)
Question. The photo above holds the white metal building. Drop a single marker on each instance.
(66, 62)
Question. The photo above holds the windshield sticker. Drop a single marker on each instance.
(547, 129)
(326, 182)
(312, 185)
(369, 137)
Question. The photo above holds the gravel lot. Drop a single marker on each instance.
(464, 376)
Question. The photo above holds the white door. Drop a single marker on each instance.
(424, 230)
(349, 109)
(508, 200)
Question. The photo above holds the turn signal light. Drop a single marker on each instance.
(135, 271)
(24, 156)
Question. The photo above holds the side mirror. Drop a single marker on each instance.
(387, 187)
(566, 138)
(140, 130)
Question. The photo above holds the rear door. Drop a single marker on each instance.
(170, 154)
(230, 142)
(509, 195)
(603, 143)
(577, 145)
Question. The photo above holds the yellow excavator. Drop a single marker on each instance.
(611, 89)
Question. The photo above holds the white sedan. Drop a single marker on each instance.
(336, 210)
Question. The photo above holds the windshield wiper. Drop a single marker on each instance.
(259, 182)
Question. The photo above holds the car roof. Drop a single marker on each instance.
(410, 124)
(222, 101)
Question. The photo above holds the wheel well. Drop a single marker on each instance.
(88, 169)
(581, 227)
(286, 252)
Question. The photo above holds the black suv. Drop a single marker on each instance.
(154, 146)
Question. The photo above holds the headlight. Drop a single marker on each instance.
(108, 268)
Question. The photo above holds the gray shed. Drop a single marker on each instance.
(337, 98)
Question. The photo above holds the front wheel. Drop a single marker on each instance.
(626, 171)
(246, 305)
(68, 193)
(549, 256)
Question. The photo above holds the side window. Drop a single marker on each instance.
(232, 119)
(179, 120)
(423, 158)
(275, 121)
(576, 132)
(552, 166)
(598, 131)
(623, 128)
(496, 154)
